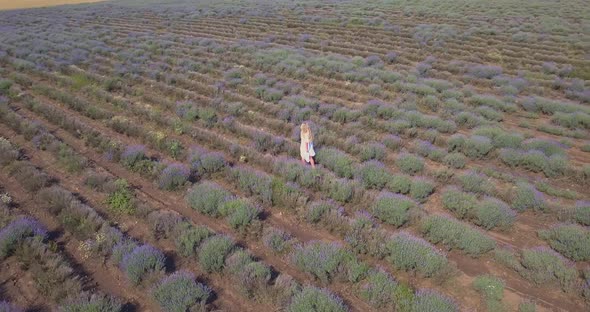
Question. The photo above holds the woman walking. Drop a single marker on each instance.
(306, 148)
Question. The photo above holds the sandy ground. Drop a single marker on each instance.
(23, 4)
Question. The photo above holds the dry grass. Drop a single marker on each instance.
(24, 4)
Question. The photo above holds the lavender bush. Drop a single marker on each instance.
(409, 163)
(459, 202)
(179, 292)
(188, 238)
(379, 290)
(455, 160)
(92, 302)
(372, 151)
(275, 239)
(392, 142)
(321, 260)
(207, 197)
(141, 262)
(173, 177)
(239, 213)
(373, 174)
(410, 253)
(400, 184)
(8, 153)
(16, 231)
(133, 156)
(6, 306)
(212, 252)
(477, 146)
(316, 210)
(493, 213)
(421, 188)
(121, 249)
(431, 301)
(341, 190)
(454, 234)
(526, 196)
(315, 299)
(543, 265)
(571, 241)
(394, 209)
(485, 71)
(286, 195)
(582, 212)
(476, 182)
(253, 182)
(492, 289)
(336, 160)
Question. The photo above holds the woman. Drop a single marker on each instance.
(306, 148)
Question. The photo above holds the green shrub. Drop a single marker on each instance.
(212, 252)
(492, 289)
(286, 195)
(456, 142)
(373, 174)
(336, 160)
(410, 253)
(421, 189)
(543, 265)
(142, 261)
(316, 211)
(179, 292)
(394, 209)
(477, 146)
(409, 163)
(379, 290)
(89, 303)
(527, 306)
(121, 201)
(207, 197)
(315, 299)
(491, 213)
(239, 212)
(476, 183)
(454, 234)
(321, 260)
(582, 212)
(400, 184)
(372, 151)
(571, 241)
(431, 301)
(189, 237)
(455, 160)
(526, 197)
(459, 202)
(341, 190)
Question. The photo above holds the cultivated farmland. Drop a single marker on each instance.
(149, 156)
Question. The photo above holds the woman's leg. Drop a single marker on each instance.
(312, 161)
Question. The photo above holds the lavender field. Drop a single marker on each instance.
(150, 161)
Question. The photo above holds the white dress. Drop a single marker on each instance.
(305, 154)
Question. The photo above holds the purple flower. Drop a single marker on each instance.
(305, 37)
(174, 176)
(6, 306)
(430, 300)
(179, 292)
(133, 154)
(141, 261)
(16, 231)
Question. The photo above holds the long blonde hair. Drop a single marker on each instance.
(306, 132)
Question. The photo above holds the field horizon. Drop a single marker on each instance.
(151, 156)
(29, 4)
